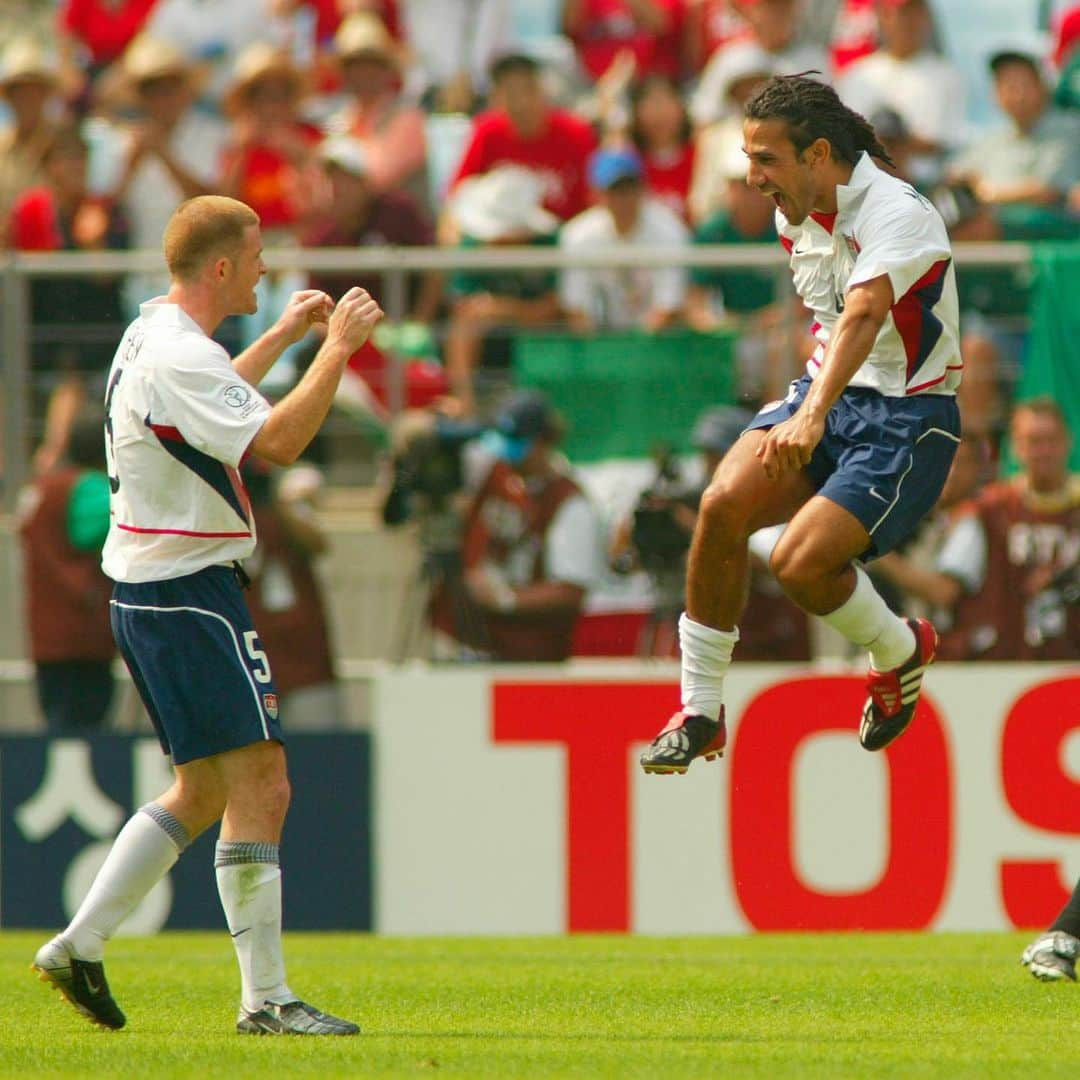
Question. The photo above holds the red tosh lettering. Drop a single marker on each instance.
(1040, 794)
(598, 724)
(767, 885)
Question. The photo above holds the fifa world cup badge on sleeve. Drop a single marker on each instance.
(270, 705)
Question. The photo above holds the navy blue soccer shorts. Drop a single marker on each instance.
(884, 459)
(197, 663)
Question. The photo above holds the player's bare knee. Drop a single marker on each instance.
(723, 515)
(793, 566)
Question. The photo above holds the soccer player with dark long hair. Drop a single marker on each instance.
(859, 449)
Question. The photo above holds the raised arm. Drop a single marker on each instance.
(294, 421)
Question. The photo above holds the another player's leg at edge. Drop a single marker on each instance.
(815, 563)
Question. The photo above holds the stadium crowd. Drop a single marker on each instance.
(586, 124)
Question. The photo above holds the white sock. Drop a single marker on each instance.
(865, 620)
(143, 852)
(249, 883)
(706, 656)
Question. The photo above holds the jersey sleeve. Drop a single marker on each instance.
(205, 404)
(905, 241)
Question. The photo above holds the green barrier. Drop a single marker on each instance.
(622, 394)
(1052, 365)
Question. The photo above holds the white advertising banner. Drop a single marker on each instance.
(509, 800)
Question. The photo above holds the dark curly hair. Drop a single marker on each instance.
(812, 110)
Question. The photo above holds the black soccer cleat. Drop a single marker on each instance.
(82, 982)
(894, 694)
(1052, 956)
(685, 737)
(292, 1018)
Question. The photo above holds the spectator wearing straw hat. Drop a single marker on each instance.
(168, 154)
(28, 82)
(269, 147)
(390, 129)
(503, 206)
(75, 317)
(214, 33)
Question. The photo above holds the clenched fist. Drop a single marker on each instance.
(353, 319)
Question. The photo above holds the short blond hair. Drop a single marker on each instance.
(203, 228)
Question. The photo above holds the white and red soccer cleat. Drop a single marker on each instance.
(894, 694)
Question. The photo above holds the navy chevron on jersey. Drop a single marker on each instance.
(178, 421)
(882, 226)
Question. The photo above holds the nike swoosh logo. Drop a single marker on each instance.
(877, 494)
(239, 932)
(93, 987)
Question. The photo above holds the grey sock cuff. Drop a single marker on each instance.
(236, 852)
(173, 828)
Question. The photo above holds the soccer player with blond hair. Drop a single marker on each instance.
(180, 418)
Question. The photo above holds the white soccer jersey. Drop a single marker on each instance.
(882, 226)
(178, 422)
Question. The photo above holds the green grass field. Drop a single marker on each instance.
(859, 1005)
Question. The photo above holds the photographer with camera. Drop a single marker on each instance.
(530, 542)
(1008, 569)
(656, 538)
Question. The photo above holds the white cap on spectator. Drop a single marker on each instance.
(503, 202)
(346, 153)
(24, 60)
(732, 163)
(744, 60)
(1031, 46)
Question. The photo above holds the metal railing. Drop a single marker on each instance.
(394, 265)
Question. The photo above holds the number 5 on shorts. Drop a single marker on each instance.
(251, 643)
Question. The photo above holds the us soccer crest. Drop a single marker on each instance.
(270, 705)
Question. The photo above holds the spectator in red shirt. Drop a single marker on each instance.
(651, 30)
(78, 316)
(269, 147)
(28, 84)
(709, 24)
(660, 129)
(524, 129)
(103, 28)
(391, 130)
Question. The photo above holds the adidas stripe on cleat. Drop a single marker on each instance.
(684, 738)
(82, 982)
(894, 694)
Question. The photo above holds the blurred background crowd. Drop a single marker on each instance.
(585, 126)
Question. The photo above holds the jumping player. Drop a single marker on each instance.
(859, 449)
(180, 417)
